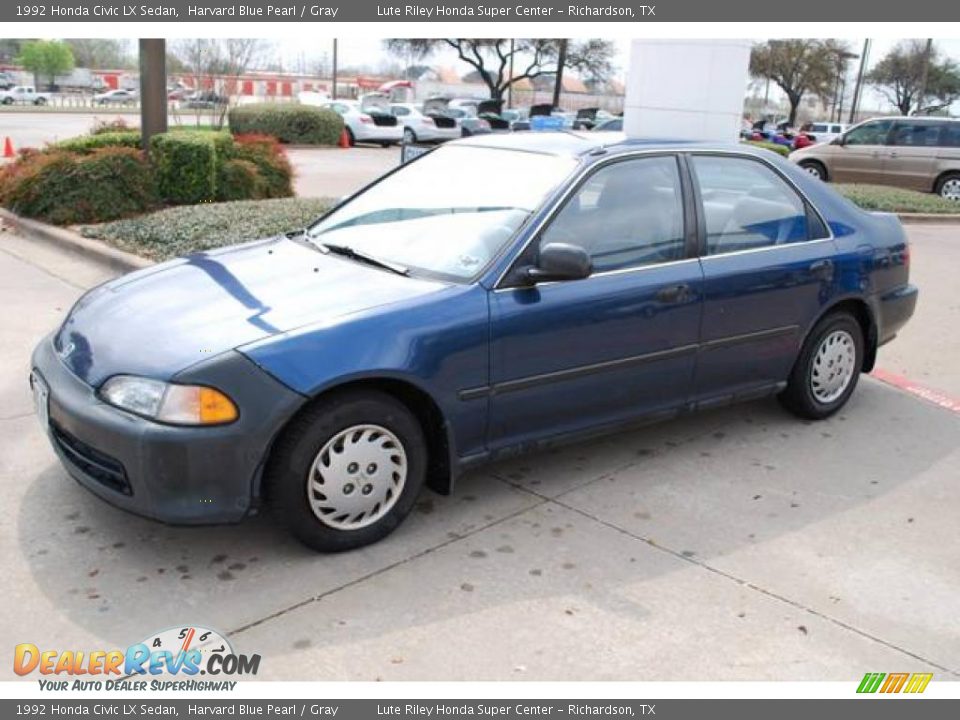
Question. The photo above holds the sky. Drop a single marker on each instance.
(370, 52)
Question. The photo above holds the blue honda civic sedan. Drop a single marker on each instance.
(495, 295)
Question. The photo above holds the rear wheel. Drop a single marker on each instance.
(40, 101)
(827, 369)
(350, 137)
(815, 168)
(948, 187)
(348, 470)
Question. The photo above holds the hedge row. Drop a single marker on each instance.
(65, 188)
(89, 179)
(299, 124)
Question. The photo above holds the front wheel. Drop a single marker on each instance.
(815, 168)
(827, 369)
(949, 187)
(409, 136)
(348, 470)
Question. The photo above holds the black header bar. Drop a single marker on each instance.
(565, 11)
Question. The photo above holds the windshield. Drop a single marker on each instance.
(449, 213)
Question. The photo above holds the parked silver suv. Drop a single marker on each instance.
(918, 153)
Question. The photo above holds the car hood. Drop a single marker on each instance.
(159, 321)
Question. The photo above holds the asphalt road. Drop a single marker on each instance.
(734, 544)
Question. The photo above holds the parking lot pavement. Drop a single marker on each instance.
(335, 172)
(735, 544)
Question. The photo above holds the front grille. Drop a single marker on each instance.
(91, 462)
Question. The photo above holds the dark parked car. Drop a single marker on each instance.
(560, 287)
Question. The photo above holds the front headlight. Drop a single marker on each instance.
(168, 402)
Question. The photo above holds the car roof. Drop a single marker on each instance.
(571, 143)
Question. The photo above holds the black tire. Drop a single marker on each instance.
(815, 167)
(952, 178)
(297, 448)
(8, 101)
(409, 136)
(40, 101)
(799, 397)
(350, 138)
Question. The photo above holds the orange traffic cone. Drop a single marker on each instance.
(344, 139)
(8, 148)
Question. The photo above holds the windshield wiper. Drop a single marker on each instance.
(361, 256)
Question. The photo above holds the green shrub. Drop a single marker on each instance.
(774, 147)
(65, 188)
(300, 124)
(898, 200)
(271, 162)
(239, 180)
(185, 165)
(89, 143)
(182, 230)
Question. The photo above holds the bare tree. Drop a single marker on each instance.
(916, 78)
(799, 67)
(492, 59)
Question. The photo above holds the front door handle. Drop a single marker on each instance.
(822, 269)
(673, 293)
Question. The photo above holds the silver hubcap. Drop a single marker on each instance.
(833, 366)
(812, 170)
(951, 189)
(357, 477)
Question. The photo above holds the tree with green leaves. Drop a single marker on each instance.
(915, 78)
(46, 58)
(492, 59)
(800, 67)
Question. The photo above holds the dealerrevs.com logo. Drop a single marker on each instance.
(894, 682)
(172, 659)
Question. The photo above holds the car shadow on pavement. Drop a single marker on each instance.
(589, 521)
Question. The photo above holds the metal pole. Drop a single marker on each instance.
(858, 88)
(153, 89)
(926, 73)
(333, 94)
(510, 86)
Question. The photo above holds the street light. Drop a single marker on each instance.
(842, 57)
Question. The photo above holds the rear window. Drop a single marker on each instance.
(950, 134)
(913, 134)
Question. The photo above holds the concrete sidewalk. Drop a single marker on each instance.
(734, 544)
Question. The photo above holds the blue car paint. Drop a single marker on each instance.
(508, 368)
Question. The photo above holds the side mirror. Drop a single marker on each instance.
(560, 261)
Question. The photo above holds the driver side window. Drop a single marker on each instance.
(627, 214)
(874, 133)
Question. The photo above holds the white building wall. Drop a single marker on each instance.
(686, 89)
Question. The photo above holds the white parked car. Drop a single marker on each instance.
(368, 121)
(418, 127)
(825, 131)
(26, 94)
(115, 97)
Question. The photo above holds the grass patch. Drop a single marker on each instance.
(192, 228)
(897, 200)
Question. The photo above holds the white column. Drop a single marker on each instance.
(686, 89)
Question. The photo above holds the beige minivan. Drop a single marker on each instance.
(919, 153)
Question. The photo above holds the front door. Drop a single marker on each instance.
(570, 356)
(768, 269)
(860, 157)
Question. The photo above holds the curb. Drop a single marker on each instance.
(98, 252)
(930, 218)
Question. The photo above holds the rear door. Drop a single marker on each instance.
(568, 356)
(911, 155)
(860, 156)
(768, 268)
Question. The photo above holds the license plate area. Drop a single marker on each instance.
(41, 399)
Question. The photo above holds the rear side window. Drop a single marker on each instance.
(747, 206)
(950, 134)
(818, 128)
(908, 134)
(400, 111)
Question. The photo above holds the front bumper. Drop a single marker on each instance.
(178, 475)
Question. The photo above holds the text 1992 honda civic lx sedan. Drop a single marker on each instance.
(562, 285)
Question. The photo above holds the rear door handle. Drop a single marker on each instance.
(673, 293)
(822, 269)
